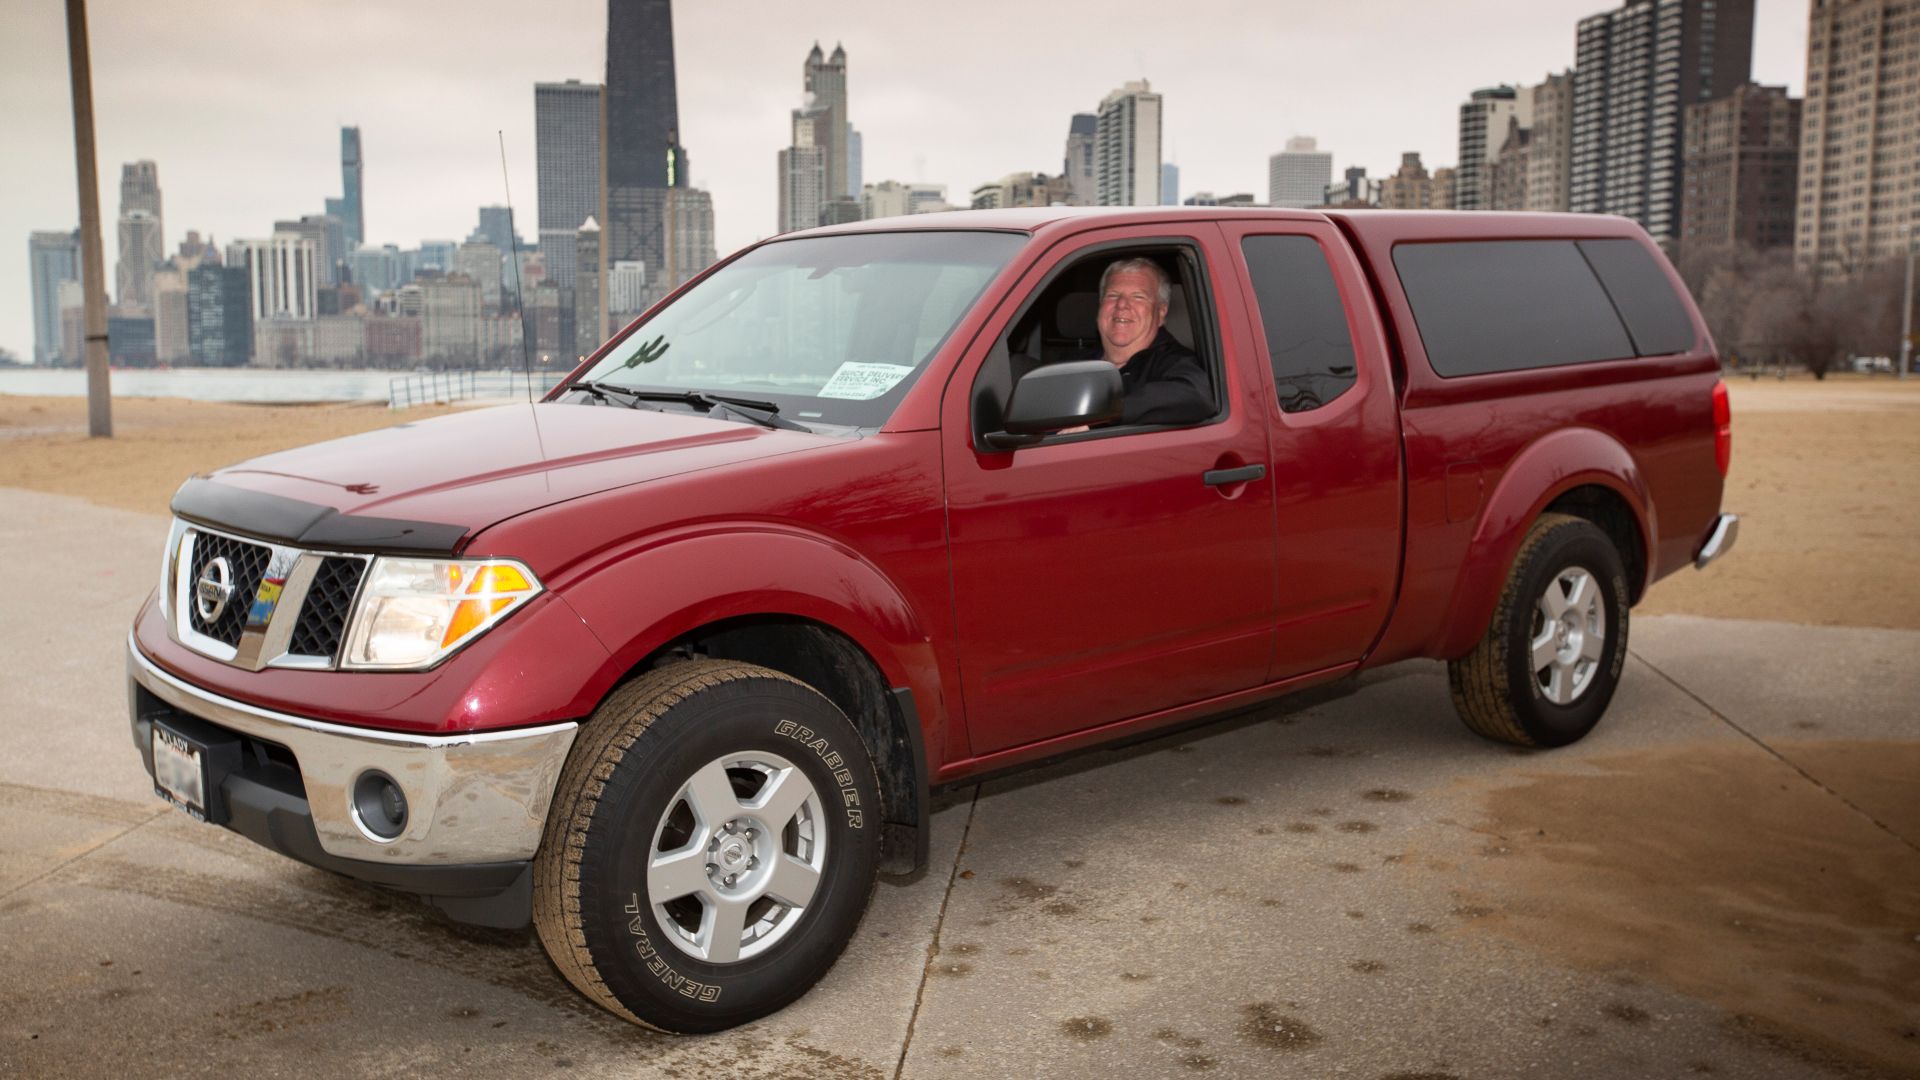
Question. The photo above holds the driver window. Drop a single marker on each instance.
(1171, 371)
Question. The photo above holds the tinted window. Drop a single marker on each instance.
(1642, 294)
(1305, 322)
(1508, 305)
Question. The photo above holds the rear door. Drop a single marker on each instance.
(1100, 577)
(1335, 431)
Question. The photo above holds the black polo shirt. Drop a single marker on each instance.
(1164, 383)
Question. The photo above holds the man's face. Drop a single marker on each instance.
(1130, 313)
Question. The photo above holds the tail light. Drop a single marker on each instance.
(1722, 427)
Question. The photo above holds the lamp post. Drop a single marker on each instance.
(1906, 307)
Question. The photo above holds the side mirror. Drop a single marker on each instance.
(1059, 396)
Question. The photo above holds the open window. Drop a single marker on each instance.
(1058, 324)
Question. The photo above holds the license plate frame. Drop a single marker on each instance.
(180, 772)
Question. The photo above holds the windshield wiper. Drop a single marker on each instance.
(764, 413)
(599, 390)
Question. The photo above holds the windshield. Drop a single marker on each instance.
(831, 329)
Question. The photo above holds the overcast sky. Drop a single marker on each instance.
(240, 101)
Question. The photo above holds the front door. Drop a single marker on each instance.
(1100, 576)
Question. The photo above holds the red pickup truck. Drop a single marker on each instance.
(668, 663)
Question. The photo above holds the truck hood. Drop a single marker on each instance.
(472, 469)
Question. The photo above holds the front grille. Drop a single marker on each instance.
(329, 599)
(246, 563)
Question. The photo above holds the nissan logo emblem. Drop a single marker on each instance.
(213, 590)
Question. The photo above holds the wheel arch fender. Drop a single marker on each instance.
(791, 600)
(1570, 466)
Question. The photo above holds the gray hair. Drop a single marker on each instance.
(1144, 266)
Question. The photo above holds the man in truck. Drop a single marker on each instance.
(1164, 381)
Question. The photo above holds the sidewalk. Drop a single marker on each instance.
(1724, 878)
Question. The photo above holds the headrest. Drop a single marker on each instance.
(1077, 315)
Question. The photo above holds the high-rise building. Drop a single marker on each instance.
(1741, 171)
(626, 290)
(1409, 188)
(52, 257)
(219, 319)
(73, 323)
(803, 180)
(1078, 167)
(566, 118)
(143, 243)
(1860, 141)
(888, 198)
(856, 148)
(480, 262)
(643, 156)
(1440, 191)
(589, 289)
(376, 269)
(495, 227)
(347, 207)
(434, 255)
(1298, 176)
(330, 244)
(450, 320)
(170, 336)
(1550, 144)
(1169, 184)
(1637, 69)
(924, 198)
(1126, 147)
(130, 340)
(1484, 122)
(825, 81)
(280, 275)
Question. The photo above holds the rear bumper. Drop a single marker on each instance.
(477, 802)
(1719, 541)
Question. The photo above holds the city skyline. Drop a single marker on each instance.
(236, 155)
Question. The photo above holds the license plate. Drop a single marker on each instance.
(179, 771)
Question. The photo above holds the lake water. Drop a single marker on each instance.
(262, 384)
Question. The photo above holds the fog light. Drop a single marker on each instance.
(380, 805)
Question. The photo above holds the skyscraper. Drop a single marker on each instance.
(1859, 188)
(1552, 143)
(219, 323)
(1127, 147)
(643, 155)
(825, 81)
(1078, 166)
(52, 257)
(347, 207)
(1483, 131)
(1742, 158)
(142, 241)
(589, 289)
(690, 247)
(1169, 184)
(566, 119)
(1637, 69)
(803, 185)
(280, 275)
(1298, 176)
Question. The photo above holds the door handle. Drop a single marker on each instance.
(1222, 477)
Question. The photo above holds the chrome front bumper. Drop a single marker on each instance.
(480, 797)
(1719, 540)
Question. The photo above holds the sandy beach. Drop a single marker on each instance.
(1826, 476)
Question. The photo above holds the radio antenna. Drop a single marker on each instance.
(519, 287)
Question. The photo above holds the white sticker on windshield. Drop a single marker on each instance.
(859, 382)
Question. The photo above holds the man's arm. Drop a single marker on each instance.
(1175, 391)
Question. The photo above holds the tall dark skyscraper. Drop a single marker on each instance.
(643, 154)
(566, 121)
(347, 207)
(1639, 67)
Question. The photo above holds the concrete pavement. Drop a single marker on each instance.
(1724, 879)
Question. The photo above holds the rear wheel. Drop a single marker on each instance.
(1552, 655)
(709, 853)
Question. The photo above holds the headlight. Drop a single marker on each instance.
(413, 612)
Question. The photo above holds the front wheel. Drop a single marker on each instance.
(1552, 656)
(710, 849)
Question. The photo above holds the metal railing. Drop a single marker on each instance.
(447, 387)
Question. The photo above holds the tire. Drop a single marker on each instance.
(691, 752)
(1540, 680)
